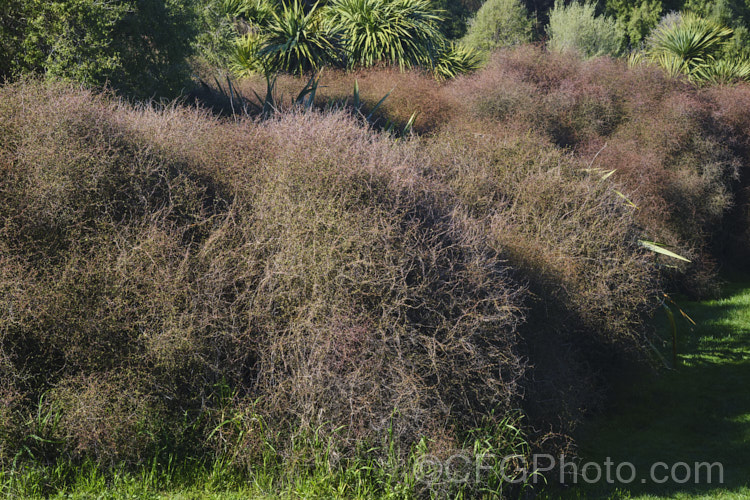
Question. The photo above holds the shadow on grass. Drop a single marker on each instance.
(698, 413)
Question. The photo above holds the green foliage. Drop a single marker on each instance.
(498, 23)
(384, 469)
(726, 70)
(217, 32)
(457, 13)
(402, 32)
(13, 14)
(576, 27)
(139, 47)
(693, 46)
(689, 41)
(257, 12)
(296, 41)
(244, 60)
(734, 14)
(635, 17)
(299, 38)
(72, 39)
(455, 59)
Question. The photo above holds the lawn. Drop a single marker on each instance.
(698, 412)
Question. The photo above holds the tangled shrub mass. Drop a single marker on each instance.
(164, 271)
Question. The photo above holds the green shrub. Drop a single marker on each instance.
(243, 58)
(498, 23)
(12, 27)
(735, 15)
(457, 12)
(299, 38)
(138, 47)
(576, 27)
(217, 32)
(636, 17)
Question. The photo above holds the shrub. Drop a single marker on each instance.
(304, 262)
(554, 225)
(453, 60)
(105, 417)
(636, 17)
(457, 12)
(243, 59)
(661, 139)
(576, 27)
(409, 92)
(237, 283)
(217, 32)
(350, 33)
(11, 36)
(498, 23)
(140, 48)
(734, 15)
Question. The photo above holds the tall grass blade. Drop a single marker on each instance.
(655, 247)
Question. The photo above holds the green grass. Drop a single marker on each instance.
(699, 412)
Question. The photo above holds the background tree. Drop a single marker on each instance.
(636, 18)
(457, 14)
(13, 14)
(734, 14)
(577, 27)
(498, 23)
(139, 47)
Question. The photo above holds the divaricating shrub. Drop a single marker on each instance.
(215, 288)
(309, 266)
(303, 272)
(107, 417)
(658, 135)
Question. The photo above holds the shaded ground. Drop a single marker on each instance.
(698, 413)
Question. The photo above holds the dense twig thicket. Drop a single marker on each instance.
(165, 271)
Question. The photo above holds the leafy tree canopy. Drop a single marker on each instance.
(139, 47)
